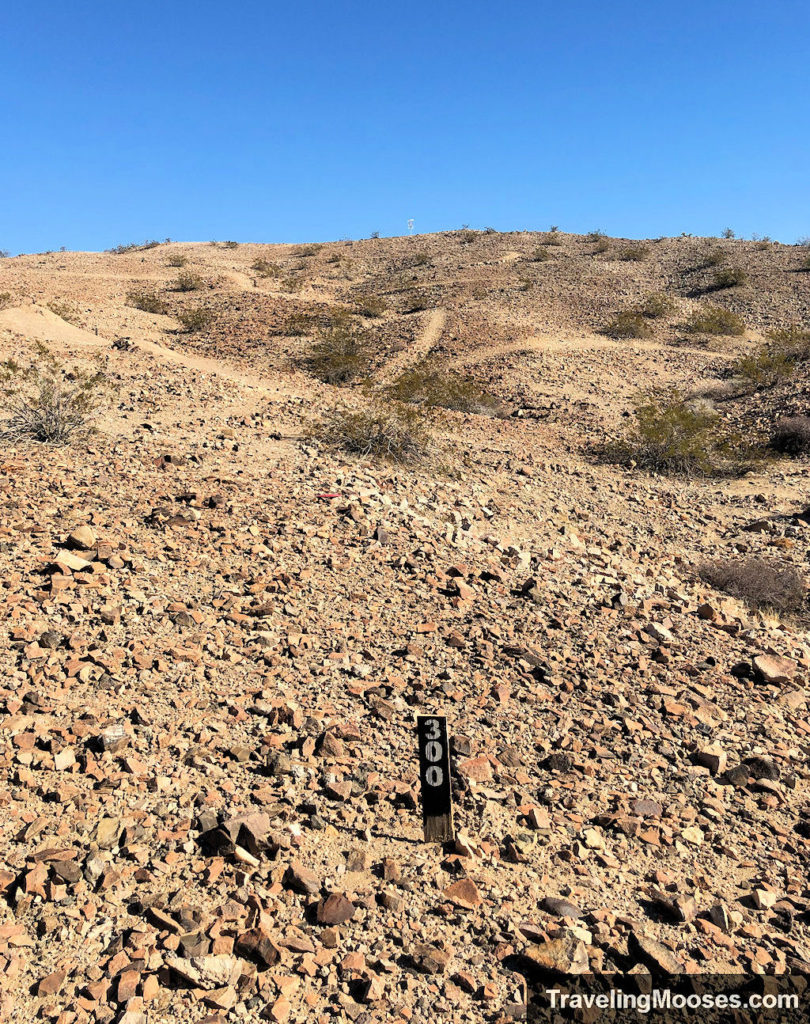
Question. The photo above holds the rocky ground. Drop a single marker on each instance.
(218, 633)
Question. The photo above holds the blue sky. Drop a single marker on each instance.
(262, 121)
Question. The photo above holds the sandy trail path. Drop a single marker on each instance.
(431, 333)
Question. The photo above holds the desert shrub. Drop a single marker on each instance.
(46, 401)
(805, 264)
(341, 354)
(525, 284)
(176, 260)
(196, 319)
(728, 233)
(656, 305)
(730, 277)
(764, 368)
(540, 254)
(65, 311)
(629, 323)
(422, 258)
(715, 257)
(794, 341)
(635, 253)
(466, 236)
(415, 301)
(595, 236)
(552, 237)
(760, 583)
(264, 268)
(291, 284)
(434, 386)
(230, 245)
(791, 435)
(762, 244)
(148, 302)
(308, 250)
(5, 299)
(188, 281)
(369, 305)
(119, 250)
(715, 320)
(670, 434)
(602, 245)
(298, 324)
(336, 257)
(389, 432)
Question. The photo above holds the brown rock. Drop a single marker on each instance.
(463, 894)
(770, 668)
(335, 909)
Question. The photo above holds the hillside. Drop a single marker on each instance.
(218, 630)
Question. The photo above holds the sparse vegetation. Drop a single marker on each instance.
(341, 354)
(635, 253)
(805, 264)
(553, 237)
(466, 236)
(291, 284)
(715, 257)
(728, 233)
(388, 432)
(148, 302)
(596, 236)
(309, 250)
(674, 435)
(230, 245)
(176, 260)
(730, 277)
(120, 250)
(422, 258)
(715, 320)
(761, 583)
(791, 435)
(370, 305)
(65, 311)
(47, 401)
(188, 281)
(5, 299)
(656, 305)
(629, 323)
(540, 254)
(766, 367)
(264, 268)
(435, 386)
(602, 245)
(415, 301)
(196, 319)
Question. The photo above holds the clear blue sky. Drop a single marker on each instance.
(263, 121)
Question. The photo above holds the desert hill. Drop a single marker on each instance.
(219, 625)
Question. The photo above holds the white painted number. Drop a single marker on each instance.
(433, 729)
(433, 751)
(434, 776)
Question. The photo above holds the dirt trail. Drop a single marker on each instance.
(554, 344)
(413, 353)
(40, 324)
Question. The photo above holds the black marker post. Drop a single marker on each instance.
(434, 774)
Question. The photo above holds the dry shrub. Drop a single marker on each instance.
(602, 245)
(715, 257)
(291, 284)
(415, 301)
(635, 253)
(308, 250)
(230, 245)
(176, 260)
(467, 236)
(540, 254)
(196, 319)
(791, 435)
(655, 306)
(776, 360)
(553, 237)
(760, 583)
(188, 281)
(5, 299)
(369, 305)
(47, 401)
(120, 250)
(629, 323)
(389, 432)
(715, 320)
(431, 385)
(264, 268)
(730, 277)
(422, 259)
(148, 302)
(65, 311)
(672, 434)
(341, 354)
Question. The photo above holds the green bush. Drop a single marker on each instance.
(715, 320)
(434, 386)
(760, 583)
(670, 434)
(629, 323)
(197, 319)
(47, 401)
(391, 433)
(730, 277)
(766, 367)
(794, 341)
(148, 302)
(341, 354)
(188, 282)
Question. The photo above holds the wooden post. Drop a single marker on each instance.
(434, 775)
